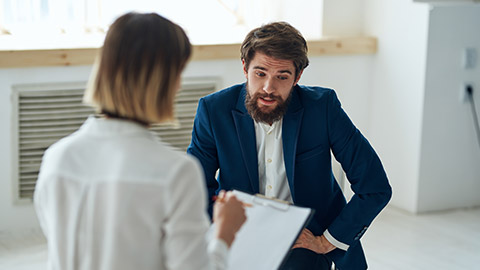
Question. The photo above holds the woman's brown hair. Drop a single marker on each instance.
(138, 70)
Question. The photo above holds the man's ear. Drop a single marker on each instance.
(245, 71)
(298, 77)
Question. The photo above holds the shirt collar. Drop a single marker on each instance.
(276, 127)
(112, 126)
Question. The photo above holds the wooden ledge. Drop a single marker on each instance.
(86, 56)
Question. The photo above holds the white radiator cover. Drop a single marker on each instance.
(44, 113)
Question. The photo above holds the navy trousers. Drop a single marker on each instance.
(305, 259)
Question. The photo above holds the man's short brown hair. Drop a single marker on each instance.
(278, 40)
(139, 67)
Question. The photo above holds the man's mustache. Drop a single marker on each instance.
(271, 96)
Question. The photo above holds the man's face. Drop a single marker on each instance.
(269, 84)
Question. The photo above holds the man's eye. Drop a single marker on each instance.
(260, 74)
(282, 78)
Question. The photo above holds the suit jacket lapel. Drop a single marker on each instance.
(246, 136)
(290, 130)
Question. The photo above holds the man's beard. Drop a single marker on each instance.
(257, 113)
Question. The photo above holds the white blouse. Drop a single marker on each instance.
(113, 196)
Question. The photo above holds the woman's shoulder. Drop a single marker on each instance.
(160, 158)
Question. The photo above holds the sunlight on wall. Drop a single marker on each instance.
(83, 23)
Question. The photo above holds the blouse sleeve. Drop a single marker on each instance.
(187, 223)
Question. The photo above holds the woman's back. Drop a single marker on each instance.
(127, 201)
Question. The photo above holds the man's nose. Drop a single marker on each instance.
(269, 86)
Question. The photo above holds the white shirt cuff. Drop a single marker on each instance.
(335, 242)
(218, 252)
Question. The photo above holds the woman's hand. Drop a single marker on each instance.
(228, 216)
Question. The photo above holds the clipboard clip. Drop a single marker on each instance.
(271, 202)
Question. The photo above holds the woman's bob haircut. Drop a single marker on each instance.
(137, 73)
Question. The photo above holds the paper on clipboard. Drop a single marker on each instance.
(268, 234)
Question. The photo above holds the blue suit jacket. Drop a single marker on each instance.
(314, 125)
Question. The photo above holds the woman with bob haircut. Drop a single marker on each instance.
(112, 195)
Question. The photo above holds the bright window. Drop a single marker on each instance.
(78, 23)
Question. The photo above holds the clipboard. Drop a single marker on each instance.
(267, 236)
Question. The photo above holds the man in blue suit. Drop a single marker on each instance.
(275, 137)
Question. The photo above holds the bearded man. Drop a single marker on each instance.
(272, 136)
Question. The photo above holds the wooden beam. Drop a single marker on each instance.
(212, 52)
(86, 56)
(344, 45)
(53, 57)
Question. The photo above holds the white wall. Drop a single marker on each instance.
(423, 135)
(450, 154)
(343, 17)
(350, 75)
(398, 91)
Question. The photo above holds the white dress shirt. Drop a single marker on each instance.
(112, 196)
(271, 167)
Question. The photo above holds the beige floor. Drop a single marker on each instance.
(443, 240)
(397, 240)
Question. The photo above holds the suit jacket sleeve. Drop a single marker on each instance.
(364, 172)
(203, 147)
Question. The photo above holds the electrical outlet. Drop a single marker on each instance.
(463, 98)
(469, 58)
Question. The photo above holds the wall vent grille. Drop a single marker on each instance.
(45, 113)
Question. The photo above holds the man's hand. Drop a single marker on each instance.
(319, 244)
